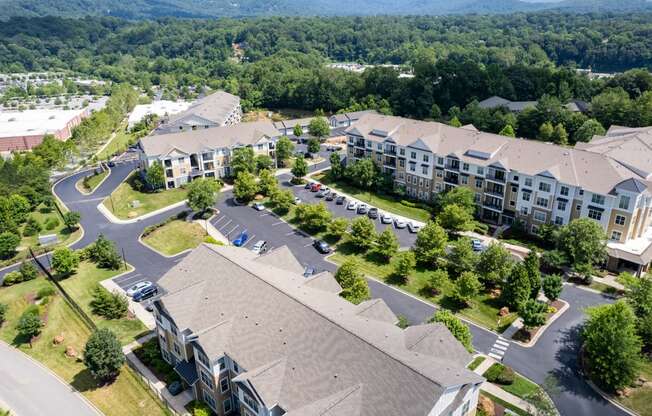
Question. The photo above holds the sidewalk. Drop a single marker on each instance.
(497, 391)
(211, 230)
(134, 307)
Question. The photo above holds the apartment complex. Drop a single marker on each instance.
(607, 180)
(575, 106)
(204, 152)
(335, 121)
(214, 110)
(252, 336)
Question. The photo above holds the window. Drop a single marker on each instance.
(465, 166)
(221, 363)
(413, 155)
(226, 405)
(465, 180)
(379, 146)
(437, 187)
(514, 189)
(597, 199)
(526, 196)
(424, 170)
(369, 144)
(379, 157)
(561, 205)
(401, 163)
(515, 178)
(478, 183)
(177, 349)
(477, 198)
(413, 166)
(180, 160)
(542, 202)
(480, 170)
(545, 187)
(615, 235)
(401, 152)
(439, 174)
(620, 220)
(165, 355)
(624, 202)
(250, 402)
(559, 221)
(168, 163)
(208, 398)
(203, 359)
(465, 408)
(528, 182)
(206, 379)
(173, 329)
(581, 191)
(564, 190)
(236, 369)
(426, 158)
(224, 385)
(524, 210)
(595, 214)
(440, 160)
(539, 216)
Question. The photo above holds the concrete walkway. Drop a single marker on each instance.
(136, 308)
(497, 391)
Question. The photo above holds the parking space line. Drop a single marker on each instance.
(219, 219)
(308, 245)
(232, 230)
(222, 227)
(290, 233)
(266, 214)
(278, 223)
(249, 240)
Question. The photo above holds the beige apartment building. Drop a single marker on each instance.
(250, 335)
(205, 152)
(608, 179)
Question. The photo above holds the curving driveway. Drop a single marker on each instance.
(554, 354)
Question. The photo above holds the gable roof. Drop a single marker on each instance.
(266, 318)
(215, 108)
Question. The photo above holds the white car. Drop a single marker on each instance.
(258, 206)
(138, 287)
(385, 218)
(399, 223)
(260, 247)
(297, 200)
(352, 206)
(413, 227)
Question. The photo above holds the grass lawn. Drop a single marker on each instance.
(126, 396)
(80, 287)
(387, 203)
(641, 398)
(119, 144)
(119, 203)
(92, 182)
(483, 310)
(175, 237)
(504, 404)
(476, 362)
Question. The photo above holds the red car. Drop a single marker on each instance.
(315, 187)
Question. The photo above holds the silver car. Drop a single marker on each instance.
(260, 247)
(385, 218)
(413, 227)
(138, 287)
(352, 206)
(399, 223)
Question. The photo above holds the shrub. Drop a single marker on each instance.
(12, 278)
(8, 244)
(103, 252)
(210, 240)
(3, 313)
(137, 184)
(28, 271)
(32, 227)
(51, 223)
(103, 355)
(44, 292)
(64, 261)
(500, 374)
(108, 305)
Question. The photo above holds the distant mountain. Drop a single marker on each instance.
(146, 9)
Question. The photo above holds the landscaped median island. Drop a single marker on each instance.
(42, 324)
(174, 235)
(132, 199)
(90, 182)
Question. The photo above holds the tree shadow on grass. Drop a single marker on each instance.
(20, 339)
(84, 381)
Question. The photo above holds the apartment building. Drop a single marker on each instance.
(251, 336)
(214, 110)
(205, 152)
(335, 121)
(516, 179)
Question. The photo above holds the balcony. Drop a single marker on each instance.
(358, 153)
(497, 176)
(390, 162)
(452, 165)
(359, 143)
(390, 151)
(452, 179)
(492, 203)
(495, 190)
(195, 171)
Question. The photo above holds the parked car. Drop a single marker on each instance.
(413, 227)
(399, 223)
(308, 185)
(315, 187)
(297, 200)
(175, 388)
(477, 245)
(331, 196)
(111, 164)
(385, 218)
(145, 293)
(323, 192)
(352, 206)
(362, 209)
(260, 247)
(258, 206)
(138, 287)
(307, 155)
(241, 239)
(373, 213)
(309, 271)
(340, 200)
(321, 246)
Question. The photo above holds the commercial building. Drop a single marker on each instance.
(205, 152)
(252, 336)
(607, 180)
(23, 130)
(214, 110)
(162, 108)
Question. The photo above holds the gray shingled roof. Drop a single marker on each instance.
(214, 107)
(314, 343)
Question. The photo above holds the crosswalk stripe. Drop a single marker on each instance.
(499, 352)
(497, 357)
(499, 342)
(500, 347)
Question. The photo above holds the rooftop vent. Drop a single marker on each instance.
(379, 133)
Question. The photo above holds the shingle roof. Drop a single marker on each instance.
(214, 107)
(200, 140)
(325, 345)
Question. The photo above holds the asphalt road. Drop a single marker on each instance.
(554, 354)
(28, 389)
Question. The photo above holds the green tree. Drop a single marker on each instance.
(583, 242)
(613, 107)
(337, 170)
(8, 244)
(611, 345)
(297, 130)
(516, 290)
(639, 297)
(363, 173)
(3, 313)
(589, 128)
(437, 281)
(533, 314)
(300, 168)
(71, 219)
(267, 182)
(29, 326)
(338, 227)
(508, 131)
(19, 208)
(552, 286)
(313, 217)
(242, 160)
(455, 122)
(467, 286)
(386, 244)
(282, 200)
(110, 305)
(202, 194)
(559, 135)
(457, 328)
(461, 257)
(546, 132)
(460, 196)
(104, 253)
(455, 219)
(284, 150)
(430, 244)
(354, 286)
(533, 266)
(103, 355)
(319, 128)
(263, 162)
(363, 233)
(64, 261)
(404, 264)
(313, 146)
(495, 264)
(155, 176)
(245, 186)
(28, 271)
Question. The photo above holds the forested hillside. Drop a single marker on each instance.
(147, 9)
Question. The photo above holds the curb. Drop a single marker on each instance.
(56, 376)
(81, 191)
(543, 329)
(115, 220)
(609, 398)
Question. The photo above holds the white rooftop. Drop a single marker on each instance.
(635, 245)
(35, 122)
(160, 108)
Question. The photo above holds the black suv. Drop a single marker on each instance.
(321, 246)
(373, 213)
(340, 200)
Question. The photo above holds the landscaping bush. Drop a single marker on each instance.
(12, 278)
(210, 240)
(51, 223)
(500, 374)
(8, 244)
(150, 354)
(3, 313)
(28, 271)
(198, 408)
(44, 292)
(109, 305)
(104, 253)
(32, 227)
